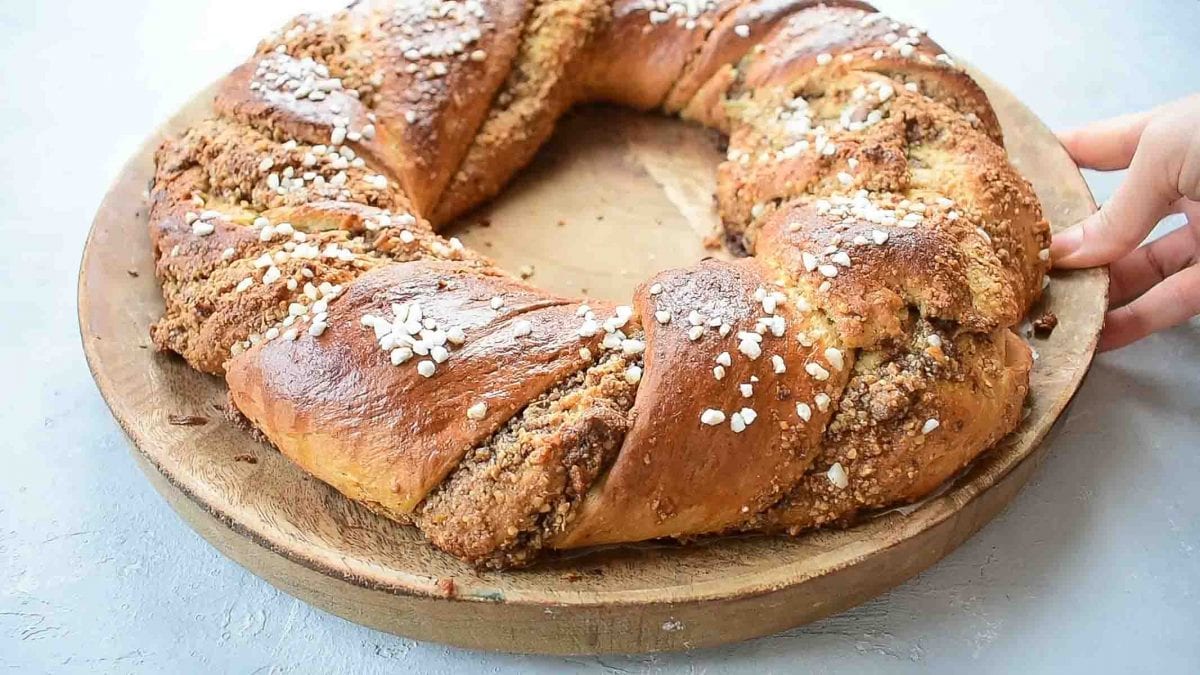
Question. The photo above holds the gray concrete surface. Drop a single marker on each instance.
(1094, 567)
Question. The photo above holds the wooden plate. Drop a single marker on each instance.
(614, 197)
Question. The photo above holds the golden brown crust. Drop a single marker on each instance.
(509, 495)
(540, 87)
(794, 142)
(862, 131)
(877, 255)
(267, 241)
(338, 405)
(408, 83)
(683, 470)
(881, 440)
(735, 34)
(861, 359)
(836, 38)
(442, 64)
(243, 166)
(642, 32)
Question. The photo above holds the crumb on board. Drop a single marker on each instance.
(1045, 324)
(187, 420)
(447, 587)
(245, 457)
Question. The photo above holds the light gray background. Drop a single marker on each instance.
(1094, 566)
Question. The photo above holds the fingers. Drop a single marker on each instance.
(1157, 285)
(1150, 264)
(1170, 303)
(1145, 196)
(1106, 145)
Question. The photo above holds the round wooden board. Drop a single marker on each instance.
(613, 197)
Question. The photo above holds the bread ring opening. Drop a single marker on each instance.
(613, 197)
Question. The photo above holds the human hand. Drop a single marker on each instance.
(1155, 285)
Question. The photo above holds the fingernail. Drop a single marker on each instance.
(1065, 243)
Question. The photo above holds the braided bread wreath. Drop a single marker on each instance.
(858, 357)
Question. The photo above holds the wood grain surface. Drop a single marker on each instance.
(613, 197)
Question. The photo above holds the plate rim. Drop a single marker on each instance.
(786, 576)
